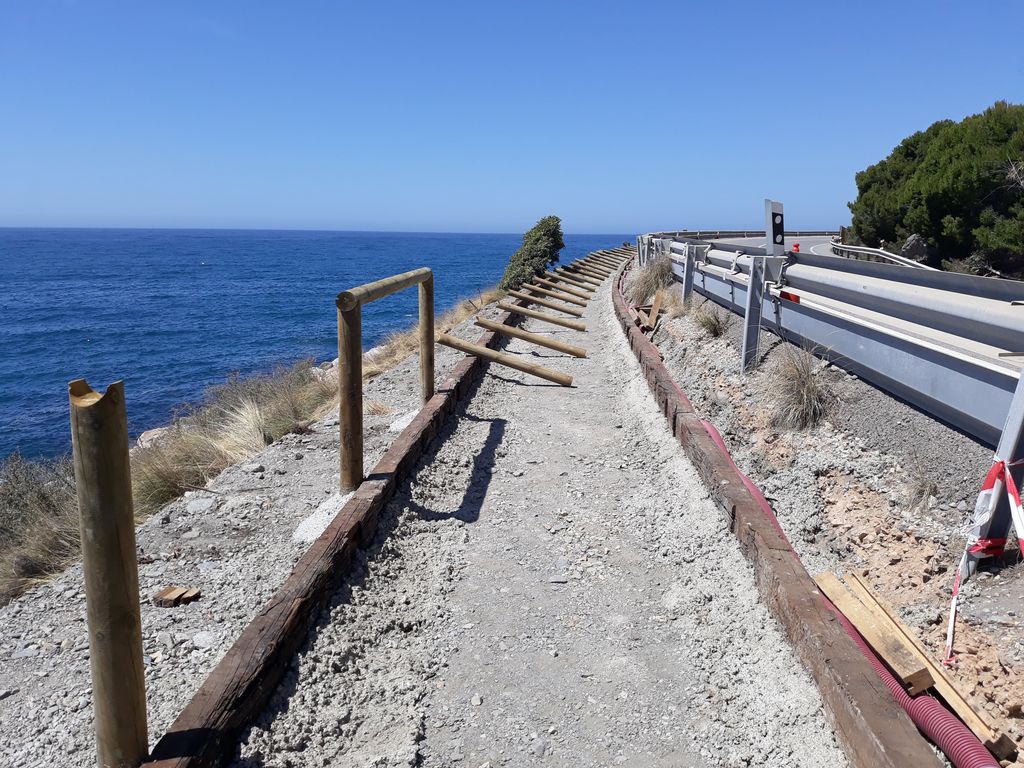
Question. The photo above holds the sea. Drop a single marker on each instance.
(174, 312)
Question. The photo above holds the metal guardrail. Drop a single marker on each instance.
(863, 253)
(941, 341)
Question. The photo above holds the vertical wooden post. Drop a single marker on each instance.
(350, 395)
(427, 338)
(99, 439)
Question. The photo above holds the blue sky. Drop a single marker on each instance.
(475, 116)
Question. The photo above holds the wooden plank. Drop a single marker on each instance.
(533, 338)
(580, 275)
(999, 744)
(168, 597)
(652, 316)
(874, 730)
(540, 291)
(191, 595)
(517, 310)
(876, 630)
(546, 303)
(505, 359)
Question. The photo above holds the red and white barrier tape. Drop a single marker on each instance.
(978, 546)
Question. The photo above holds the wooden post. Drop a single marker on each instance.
(350, 395)
(557, 306)
(427, 337)
(554, 294)
(563, 287)
(99, 440)
(505, 359)
(517, 310)
(533, 338)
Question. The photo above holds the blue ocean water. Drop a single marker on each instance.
(173, 312)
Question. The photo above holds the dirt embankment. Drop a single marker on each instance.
(877, 487)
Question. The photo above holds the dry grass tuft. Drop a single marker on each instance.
(655, 275)
(238, 420)
(377, 408)
(802, 397)
(672, 304)
(919, 489)
(398, 346)
(712, 320)
(38, 521)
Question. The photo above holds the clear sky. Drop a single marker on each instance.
(475, 116)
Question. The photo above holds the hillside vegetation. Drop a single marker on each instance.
(959, 186)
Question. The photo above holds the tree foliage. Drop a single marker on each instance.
(540, 249)
(955, 184)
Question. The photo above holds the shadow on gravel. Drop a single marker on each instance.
(526, 383)
(381, 549)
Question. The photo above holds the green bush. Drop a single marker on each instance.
(957, 185)
(540, 249)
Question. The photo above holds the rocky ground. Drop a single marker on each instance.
(554, 588)
(236, 540)
(878, 487)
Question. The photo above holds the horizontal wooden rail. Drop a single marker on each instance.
(546, 303)
(378, 289)
(576, 283)
(554, 294)
(533, 338)
(564, 287)
(516, 309)
(510, 361)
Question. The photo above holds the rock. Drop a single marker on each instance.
(253, 468)
(559, 579)
(916, 248)
(25, 653)
(402, 422)
(298, 456)
(200, 505)
(204, 640)
(7, 693)
(477, 700)
(152, 436)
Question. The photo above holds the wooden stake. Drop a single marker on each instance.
(426, 337)
(533, 338)
(577, 285)
(350, 396)
(563, 287)
(600, 266)
(904, 664)
(545, 303)
(554, 294)
(99, 440)
(586, 273)
(515, 309)
(504, 359)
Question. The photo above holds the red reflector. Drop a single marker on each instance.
(789, 296)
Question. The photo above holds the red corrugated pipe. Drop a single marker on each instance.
(936, 722)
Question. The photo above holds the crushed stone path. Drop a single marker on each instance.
(553, 588)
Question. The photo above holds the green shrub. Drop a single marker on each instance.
(958, 185)
(540, 249)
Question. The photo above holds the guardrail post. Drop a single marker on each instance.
(350, 395)
(427, 338)
(689, 264)
(99, 441)
(752, 312)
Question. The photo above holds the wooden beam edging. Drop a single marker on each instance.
(872, 727)
(236, 690)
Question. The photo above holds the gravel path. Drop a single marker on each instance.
(554, 588)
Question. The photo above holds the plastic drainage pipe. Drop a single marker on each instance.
(936, 722)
